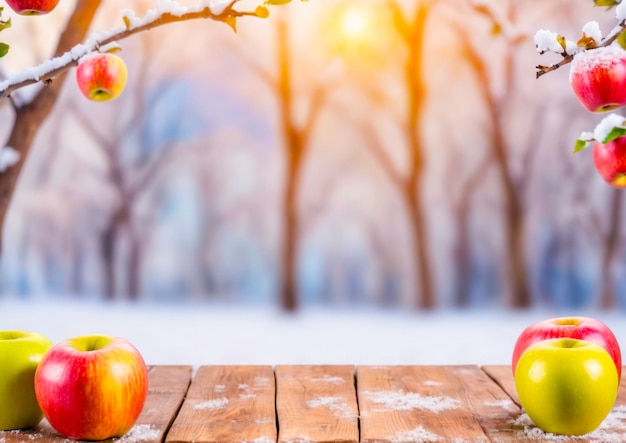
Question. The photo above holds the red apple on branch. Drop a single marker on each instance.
(610, 161)
(598, 78)
(92, 387)
(582, 328)
(32, 7)
(101, 76)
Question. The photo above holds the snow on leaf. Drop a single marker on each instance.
(620, 11)
(614, 134)
(604, 131)
(546, 40)
(592, 31)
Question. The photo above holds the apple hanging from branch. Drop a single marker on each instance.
(32, 7)
(598, 78)
(101, 76)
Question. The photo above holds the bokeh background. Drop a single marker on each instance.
(382, 154)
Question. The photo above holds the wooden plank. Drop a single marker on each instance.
(503, 376)
(494, 409)
(414, 403)
(316, 404)
(613, 428)
(167, 388)
(228, 404)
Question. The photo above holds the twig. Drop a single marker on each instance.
(541, 70)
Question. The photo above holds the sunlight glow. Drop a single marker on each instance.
(354, 23)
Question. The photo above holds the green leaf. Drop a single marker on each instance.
(621, 39)
(5, 25)
(4, 49)
(615, 133)
(606, 3)
(277, 2)
(581, 145)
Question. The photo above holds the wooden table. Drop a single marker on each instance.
(301, 404)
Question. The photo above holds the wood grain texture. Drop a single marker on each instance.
(167, 388)
(494, 409)
(316, 404)
(414, 403)
(228, 404)
(503, 376)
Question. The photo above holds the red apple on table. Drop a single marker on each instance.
(92, 387)
(101, 76)
(610, 161)
(598, 78)
(582, 328)
(20, 354)
(32, 7)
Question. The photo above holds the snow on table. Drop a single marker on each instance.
(340, 403)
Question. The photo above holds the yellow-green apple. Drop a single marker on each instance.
(92, 387)
(32, 7)
(20, 354)
(598, 78)
(101, 76)
(566, 386)
(583, 328)
(610, 161)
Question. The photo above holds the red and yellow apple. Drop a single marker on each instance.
(610, 161)
(92, 387)
(598, 78)
(32, 7)
(20, 354)
(101, 76)
(583, 328)
(566, 386)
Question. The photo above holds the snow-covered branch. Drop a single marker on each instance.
(547, 41)
(166, 12)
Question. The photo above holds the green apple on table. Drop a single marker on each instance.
(567, 386)
(20, 354)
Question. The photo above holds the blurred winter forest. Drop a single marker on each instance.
(384, 153)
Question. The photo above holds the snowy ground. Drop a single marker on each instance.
(207, 334)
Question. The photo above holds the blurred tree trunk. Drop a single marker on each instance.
(413, 191)
(135, 248)
(30, 116)
(462, 250)
(294, 155)
(611, 250)
(514, 216)
(409, 184)
(77, 268)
